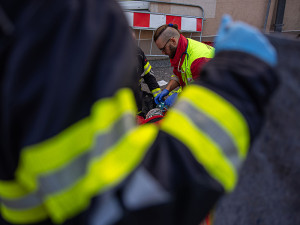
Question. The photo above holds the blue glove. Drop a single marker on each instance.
(171, 100)
(239, 36)
(159, 98)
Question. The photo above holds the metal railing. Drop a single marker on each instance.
(140, 29)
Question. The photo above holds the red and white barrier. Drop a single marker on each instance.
(153, 21)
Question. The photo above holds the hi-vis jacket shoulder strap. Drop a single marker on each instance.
(84, 160)
(214, 130)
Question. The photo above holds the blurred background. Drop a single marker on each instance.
(199, 19)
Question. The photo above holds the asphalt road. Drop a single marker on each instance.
(162, 70)
(268, 191)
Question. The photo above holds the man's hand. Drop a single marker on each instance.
(171, 99)
(239, 36)
(159, 98)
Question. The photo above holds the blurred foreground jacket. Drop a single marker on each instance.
(70, 150)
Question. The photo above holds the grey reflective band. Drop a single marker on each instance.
(156, 92)
(143, 190)
(174, 78)
(147, 68)
(29, 201)
(213, 130)
(150, 72)
(75, 170)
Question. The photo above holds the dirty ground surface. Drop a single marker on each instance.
(162, 70)
(268, 191)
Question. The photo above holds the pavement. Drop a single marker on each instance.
(268, 191)
(162, 70)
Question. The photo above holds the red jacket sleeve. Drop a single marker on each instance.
(197, 65)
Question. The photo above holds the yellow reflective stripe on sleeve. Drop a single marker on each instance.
(11, 189)
(174, 77)
(178, 91)
(87, 158)
(34, 159)
(156, 91)
(213, 129)
(104, 172)
(147, 68)
(223, 112)
(29, 216)
(47, 156)
(204, 149)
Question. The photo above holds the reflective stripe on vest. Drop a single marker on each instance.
(195, 50)
(147, 69)
(58, 177)
(214, 130)
(156, 91)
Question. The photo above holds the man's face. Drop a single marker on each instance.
(167, 47)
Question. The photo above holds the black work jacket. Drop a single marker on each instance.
(68, 66)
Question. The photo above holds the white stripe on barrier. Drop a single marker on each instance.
(188, 24)
(153, 21)
(157, 20)
(129, 17)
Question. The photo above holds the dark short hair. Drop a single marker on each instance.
(162, 28)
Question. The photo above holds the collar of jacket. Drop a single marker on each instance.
(182, 43)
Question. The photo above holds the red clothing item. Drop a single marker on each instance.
(181, 47)
(196, 65)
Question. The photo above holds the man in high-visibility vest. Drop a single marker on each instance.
(70, 149)
(187, 58)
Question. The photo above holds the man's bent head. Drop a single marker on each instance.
(166, 39)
